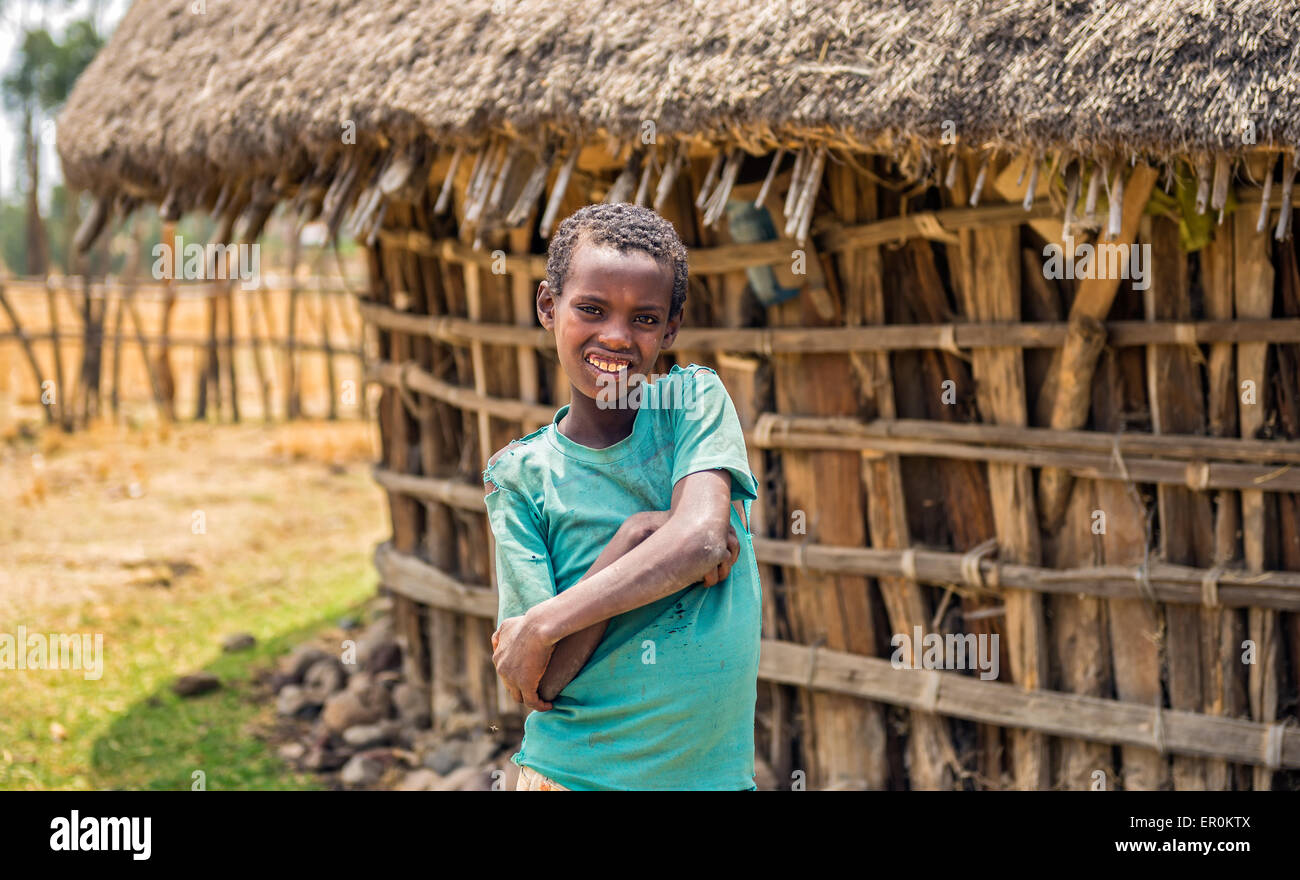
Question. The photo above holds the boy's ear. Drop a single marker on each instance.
(670, 331)
(546, 306)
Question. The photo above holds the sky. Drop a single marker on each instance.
(57, 13)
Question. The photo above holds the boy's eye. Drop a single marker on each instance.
(649, 318)
(594, 310)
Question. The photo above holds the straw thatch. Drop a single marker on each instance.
(178, 99)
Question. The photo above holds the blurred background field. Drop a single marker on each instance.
(324, 318)
(98, 535)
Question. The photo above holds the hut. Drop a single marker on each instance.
(1005, 293)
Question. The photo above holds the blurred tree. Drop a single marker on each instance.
(39, 83)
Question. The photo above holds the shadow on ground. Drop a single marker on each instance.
(210, 741)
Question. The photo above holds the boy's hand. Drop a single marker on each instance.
(643, 524)
(719, 574)
(520, 657)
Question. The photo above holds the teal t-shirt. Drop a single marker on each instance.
(666, 701)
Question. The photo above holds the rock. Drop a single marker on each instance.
(445, 702)
(410, 759)
(360, 682)
(419, 780)
(240, 641)
(462, 723)
(421, 740)
(322, 759)
(293, 702)
(372, 638)
(348, 708)
(349, 622)
(479, 751)
(484, 779)
(292, 751)
(457, 778)
(387, 655)
(362, 769)
(446, 757)
(196, 683)
(297, 663)
(364, 736)
(325, 677)
(412, 704)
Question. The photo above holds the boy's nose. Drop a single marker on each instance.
(616, 338)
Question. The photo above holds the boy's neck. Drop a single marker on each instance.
(589, 425)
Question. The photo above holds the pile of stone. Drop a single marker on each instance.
(363, 726)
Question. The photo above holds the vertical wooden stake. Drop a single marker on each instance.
(1223, 629)
(1253, 285)
(57, 349)
(1000, 383)
(330, 379)
(1186, 526)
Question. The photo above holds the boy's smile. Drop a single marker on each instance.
(610, 323)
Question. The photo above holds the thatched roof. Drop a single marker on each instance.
(249, 86)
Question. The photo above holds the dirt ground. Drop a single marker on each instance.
(85, 516)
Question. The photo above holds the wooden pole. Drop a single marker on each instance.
(154, 385)
(228, 303)
(27, 349)
(1253, 285)
(273, 340)
(293, 404)
(1135, 626)
(932, 758)
(1224, 628)
(993, 291)
(844, 742)
(116, 379)
(330, 379)
(1288, 405)
(967, 507)
(207, 376)
(399, 426)
(1186, 524)
(59, 390)
(255, 342)
(166, 378)
(436, 457)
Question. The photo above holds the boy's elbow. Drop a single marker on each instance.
(711, 545)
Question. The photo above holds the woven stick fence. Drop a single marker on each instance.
(101, 320)
(1169, 411)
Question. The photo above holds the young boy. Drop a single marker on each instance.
(629, 613)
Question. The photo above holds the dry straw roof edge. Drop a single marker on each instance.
(248, 86)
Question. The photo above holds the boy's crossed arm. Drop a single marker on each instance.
(689, 547)
(573, 651)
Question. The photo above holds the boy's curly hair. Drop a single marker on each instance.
(624, 227)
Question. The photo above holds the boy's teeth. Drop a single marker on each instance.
(607, 366)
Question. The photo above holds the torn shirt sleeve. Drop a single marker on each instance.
(525, 574)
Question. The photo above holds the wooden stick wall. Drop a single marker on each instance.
(840, 395)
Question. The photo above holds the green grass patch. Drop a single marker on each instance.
(127, 730)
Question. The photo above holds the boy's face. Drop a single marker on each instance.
(614, 310)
